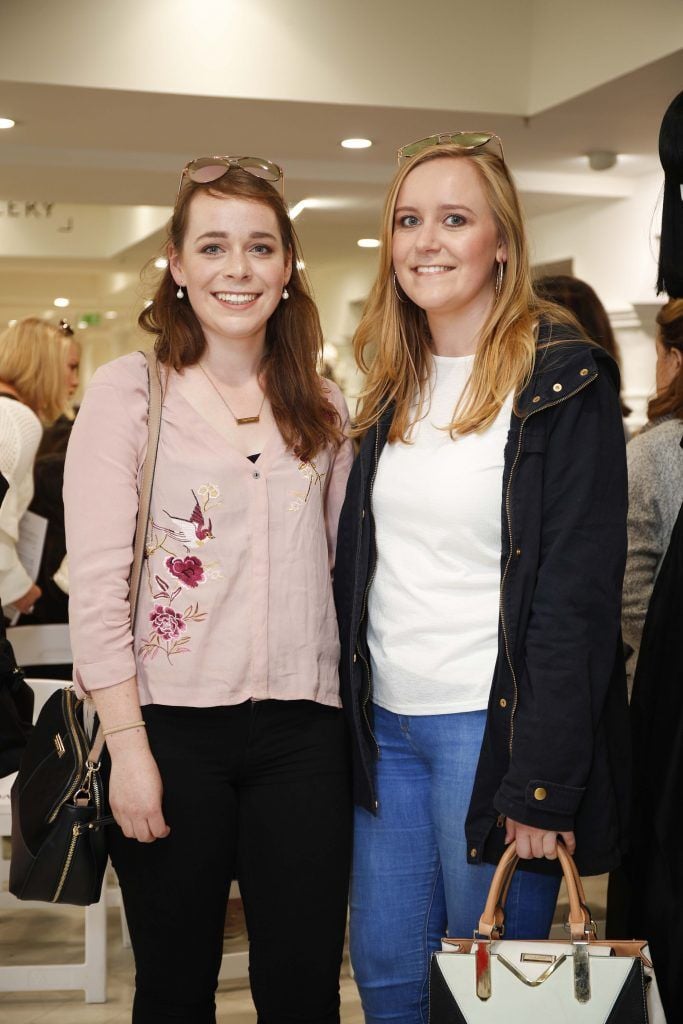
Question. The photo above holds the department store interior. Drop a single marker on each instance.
(101, 106)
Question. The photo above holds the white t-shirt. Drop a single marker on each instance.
(433, 604)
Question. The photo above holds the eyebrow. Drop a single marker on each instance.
(225, 234)
(442, 206)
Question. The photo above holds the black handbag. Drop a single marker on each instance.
(59, 849)
(16, 710)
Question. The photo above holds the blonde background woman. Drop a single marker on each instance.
(33, 394)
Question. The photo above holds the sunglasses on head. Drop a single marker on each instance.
(205, 169)
(467, 141)
(65, 327)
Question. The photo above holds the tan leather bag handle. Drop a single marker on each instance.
(145, 501)
(492, 920)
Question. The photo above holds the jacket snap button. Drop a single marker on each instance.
(362, 515)
(557, 387)
(540, 793)
(518, 552)
(583, 373)
(503, 703)
(355, 658)
(473, 852)
(536, 398)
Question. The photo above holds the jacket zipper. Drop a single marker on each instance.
(508, 656)
(365, 700)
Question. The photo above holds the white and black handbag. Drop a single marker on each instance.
(577, 981)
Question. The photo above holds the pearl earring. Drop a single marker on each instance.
(180, 294)
(285, 293)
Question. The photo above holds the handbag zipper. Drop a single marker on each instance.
(73, 787)
(533, 412)
(75, 833)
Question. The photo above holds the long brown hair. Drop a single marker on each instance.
(393, 344)
(305, 417)
(670, 401)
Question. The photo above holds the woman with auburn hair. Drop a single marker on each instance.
(655, 478)
(33, 393)
(478, 576)
(220, 704)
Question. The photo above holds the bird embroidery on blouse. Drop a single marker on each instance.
(191, 532)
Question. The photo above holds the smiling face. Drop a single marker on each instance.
(446, 243)
(234, 266)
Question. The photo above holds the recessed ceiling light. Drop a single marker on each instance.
(368, 243)
(61, 303)
(161, 263)
(111, 314)
(356, 143)
(82, 324)
(11, 323)
(7, 122)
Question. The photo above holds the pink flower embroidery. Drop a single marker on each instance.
(189, 570)
(167, 623)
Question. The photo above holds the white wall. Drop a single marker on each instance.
(614, 247)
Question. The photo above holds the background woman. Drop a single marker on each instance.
(580, 299)
(481, 667)
(228, 746)
(655, 478)
(33, 392)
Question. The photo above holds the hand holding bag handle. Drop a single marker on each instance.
(492, 920)
(153, 432)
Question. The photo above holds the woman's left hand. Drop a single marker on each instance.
(536, 842)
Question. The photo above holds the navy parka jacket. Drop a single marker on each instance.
(555, 752)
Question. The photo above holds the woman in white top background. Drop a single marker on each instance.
(479, 564)
(33, 393)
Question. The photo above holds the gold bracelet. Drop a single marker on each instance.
(122, 728)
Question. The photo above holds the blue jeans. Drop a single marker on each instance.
(411, 883)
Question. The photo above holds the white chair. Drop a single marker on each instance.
(41, 645)
(91, 974)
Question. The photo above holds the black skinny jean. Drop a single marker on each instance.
(261, 792)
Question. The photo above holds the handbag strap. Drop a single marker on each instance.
(144, 503)
(492, 919)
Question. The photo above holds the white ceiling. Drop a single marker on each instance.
(83, 139)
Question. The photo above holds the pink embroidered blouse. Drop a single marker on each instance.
(236, 599)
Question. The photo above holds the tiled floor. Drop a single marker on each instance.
(54, 935)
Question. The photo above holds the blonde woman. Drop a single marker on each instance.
(479, 564)
(33, 393)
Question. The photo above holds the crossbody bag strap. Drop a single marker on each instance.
(144, 503)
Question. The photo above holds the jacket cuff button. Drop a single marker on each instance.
(503, 703)
(473, 851)
(540, 793)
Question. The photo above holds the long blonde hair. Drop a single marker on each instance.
(392, 343)
(33, 357)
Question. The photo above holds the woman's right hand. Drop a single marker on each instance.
(25, 604)
(135, 791)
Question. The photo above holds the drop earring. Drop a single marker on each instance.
(285, 293)
(499, 278)
(180, 294)
(398, 294)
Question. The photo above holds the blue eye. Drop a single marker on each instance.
(261, 249)
(408, 221)
(454, 220)
(212, 249)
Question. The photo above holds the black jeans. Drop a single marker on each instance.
(261, 792)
